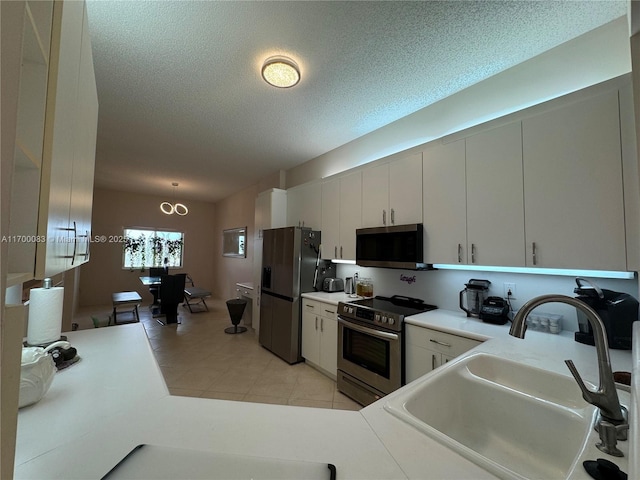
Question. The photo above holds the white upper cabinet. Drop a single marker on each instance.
(341, 216)
(445, 204)
(271, 211)
(375, 196)
(84, 155)
(405, 190)
(473, 207)
(304, 206)
(69, 145)
(33, 50)
(495, 210)
(630, 177)
(350, 213)
(331, 218)
(392, 193)
(546, 191)
(573, 186)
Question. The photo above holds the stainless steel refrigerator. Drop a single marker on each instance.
(291, 266)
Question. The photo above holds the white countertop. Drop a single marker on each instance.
(115, 398)
(97, 410)
(247, 285)
(330, 297)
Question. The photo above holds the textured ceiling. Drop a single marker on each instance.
(181, 97)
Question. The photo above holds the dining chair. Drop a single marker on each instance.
(191, 292)
(171, 295)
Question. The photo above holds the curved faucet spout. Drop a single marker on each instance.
(606, 397)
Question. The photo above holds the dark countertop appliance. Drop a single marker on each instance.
(474, 296)
(398, 246)
(371, 345)
(617, 310)
(290, 266)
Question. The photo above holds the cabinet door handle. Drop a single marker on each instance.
(459, 253)
(322, 324)
(473, 253)
(335, 251)
(75, 242)
(340, 251)
(384, 217)
(433, 362)
(438, 342)
(316, 323)
(87, 251)
(330, 312)
(393, 217)
(533, 246)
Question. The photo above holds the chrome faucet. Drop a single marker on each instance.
(612, 414)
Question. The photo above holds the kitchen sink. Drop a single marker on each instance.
(514, 420)
(541, 384)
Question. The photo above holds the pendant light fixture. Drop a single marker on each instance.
(281, 72)
(171, 208)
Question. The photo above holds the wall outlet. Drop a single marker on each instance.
(509, 287)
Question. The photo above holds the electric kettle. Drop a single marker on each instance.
(349, 286)
(475, 293)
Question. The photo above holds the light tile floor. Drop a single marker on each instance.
(198, 359)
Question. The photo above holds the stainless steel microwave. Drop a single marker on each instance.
(398, 246)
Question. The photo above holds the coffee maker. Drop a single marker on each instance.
(475, 293)
(617, 310)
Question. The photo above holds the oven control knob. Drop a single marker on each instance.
(384, 319)
(377, 317)
(350, 309)
(391, 321)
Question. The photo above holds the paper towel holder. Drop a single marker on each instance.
(36, 338)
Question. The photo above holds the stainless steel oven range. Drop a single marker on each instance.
(371, 345)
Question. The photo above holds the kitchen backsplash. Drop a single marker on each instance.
(442, 287)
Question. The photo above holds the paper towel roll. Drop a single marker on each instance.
(45, 315)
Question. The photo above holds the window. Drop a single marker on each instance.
(145, 248)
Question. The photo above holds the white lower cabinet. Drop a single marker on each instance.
(427, 349)
(320, 335)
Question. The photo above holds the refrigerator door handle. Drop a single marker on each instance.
(315, 273)
(266, 277)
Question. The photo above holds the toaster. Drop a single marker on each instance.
(333, 285)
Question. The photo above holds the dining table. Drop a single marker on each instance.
(148, 281)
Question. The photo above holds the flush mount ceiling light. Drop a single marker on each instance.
(171, 208)
(281, 72)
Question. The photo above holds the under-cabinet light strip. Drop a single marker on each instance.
(541, 271)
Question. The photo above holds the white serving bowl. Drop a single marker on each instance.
(36, 373)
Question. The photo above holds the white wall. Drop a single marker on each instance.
(441, 287)
(594, 57)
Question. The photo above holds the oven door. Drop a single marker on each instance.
(370, 355)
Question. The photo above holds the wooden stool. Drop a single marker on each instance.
(126, 299)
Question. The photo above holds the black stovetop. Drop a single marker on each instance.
(397, 304)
